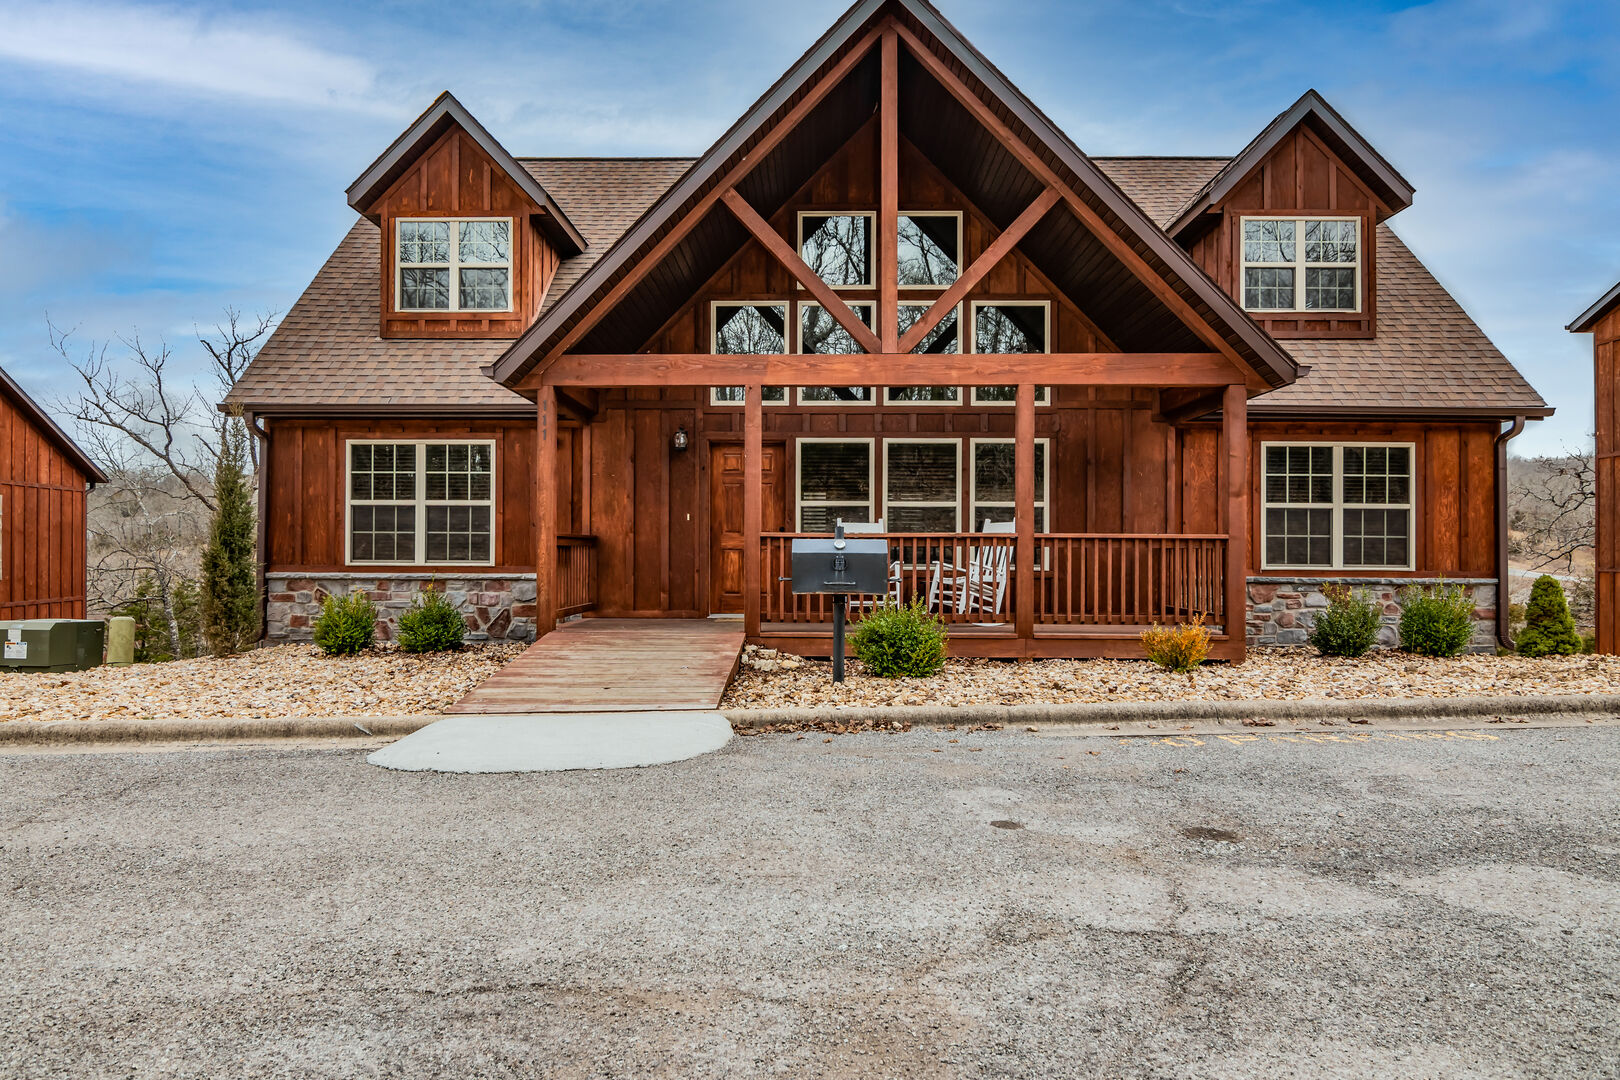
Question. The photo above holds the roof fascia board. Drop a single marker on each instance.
(43, 421)
(1587, 320)
(371, 183)
(1311, 105)
(512, 363)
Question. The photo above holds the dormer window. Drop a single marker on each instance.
(454, 265)
(1302, 264)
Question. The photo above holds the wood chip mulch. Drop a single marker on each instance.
(280, 681)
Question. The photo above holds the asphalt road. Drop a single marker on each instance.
(1012, 905)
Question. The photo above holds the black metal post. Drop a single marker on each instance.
(839, 602)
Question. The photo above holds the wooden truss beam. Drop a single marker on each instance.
(986, 262)
(783, 252)
(893, 369)
(888, 262)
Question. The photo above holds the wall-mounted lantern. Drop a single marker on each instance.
(681, 438)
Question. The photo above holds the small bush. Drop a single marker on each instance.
(1549, 629)
(1178, 648)
(894, 641)
(1588, 644)
(346, 624)
(1349, 625)
(431, 625)
(1436, 620)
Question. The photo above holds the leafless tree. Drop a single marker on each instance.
(231, 349)
(1553, 504)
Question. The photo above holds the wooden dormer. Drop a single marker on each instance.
(469, 240)
(1308, 176)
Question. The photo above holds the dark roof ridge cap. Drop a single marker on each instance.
(606, 157)
(1586, 320)
(52, 429)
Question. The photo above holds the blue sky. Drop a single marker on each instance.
(160, 161)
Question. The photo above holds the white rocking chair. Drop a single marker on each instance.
(980, 585)
(869, 528)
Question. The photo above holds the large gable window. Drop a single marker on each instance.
(1302, 264)
(1011, 327)
(747, 329)
(820, 333)
(930, 250)
(943, 340)
(421, 503)
(453, 265)
(838, 248)
(1332, 507)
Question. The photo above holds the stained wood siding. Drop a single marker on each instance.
(42, 534)
(1300, 178)
(1607, 409)
(455, 178)
(1454, 495)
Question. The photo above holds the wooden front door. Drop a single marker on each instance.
(726, 519)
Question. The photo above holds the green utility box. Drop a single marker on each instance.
(51, 644)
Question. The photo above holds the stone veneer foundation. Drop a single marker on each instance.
(498, 607)
(1282, 610)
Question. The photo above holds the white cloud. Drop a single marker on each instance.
(188, 50)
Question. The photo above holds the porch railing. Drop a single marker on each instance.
(1081, 579)
(576, 574)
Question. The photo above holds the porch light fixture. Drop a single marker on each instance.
(681, 439)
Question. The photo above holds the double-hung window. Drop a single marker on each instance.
(444, 264)
(834, 481)
(922, 489)
(1342, 506)
(993, 490)
(1302, 264)
(421, 503)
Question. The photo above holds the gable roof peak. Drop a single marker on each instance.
(9, 388)
(1586, 321)
(446, 112)
(1313, 109)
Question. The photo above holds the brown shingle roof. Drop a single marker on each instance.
(326, 354)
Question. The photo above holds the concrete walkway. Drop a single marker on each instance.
(556, 742)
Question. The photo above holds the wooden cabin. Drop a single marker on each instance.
(1602, 321)
(1077, 395)
(44, 478)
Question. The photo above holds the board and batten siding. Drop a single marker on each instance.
(1607, 426)
(42, 534)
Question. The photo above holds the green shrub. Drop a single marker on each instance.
(1588, 644)
(346, 624)
(1179, 648)
(893, 641)
(1549, 629)
(1436, 620)
(1349, 625)
(431, 625)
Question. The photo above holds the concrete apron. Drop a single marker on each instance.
(556, 742)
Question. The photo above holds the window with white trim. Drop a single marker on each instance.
(922, 488)
(993, 483)
(422, 503)
(1301, 264)
(744, 328)
(820, 333)
(834, 481)
(930, 251)
(943, 340)
(453, 264)
(1337, 506)
(838, 247)
(1010, 327)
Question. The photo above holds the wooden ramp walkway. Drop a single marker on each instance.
(616, 665)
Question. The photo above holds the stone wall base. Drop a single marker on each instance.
(498, 607)
(1282, 610)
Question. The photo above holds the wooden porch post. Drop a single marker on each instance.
(1235, 433)
(545, 511)
(753, 504)
(888, 324)
(1024, 511)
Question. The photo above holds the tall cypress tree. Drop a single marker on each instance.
(230, 586)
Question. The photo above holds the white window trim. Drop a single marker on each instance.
(955, 502)
(1299, 266)
(714, 334)
(421, 501)
(1339, 506)
(871, 254)
(960, 241)
(973, 482)
(455, 267)
(961, 396)
(798, 348)
(972, 345)
(798, 477)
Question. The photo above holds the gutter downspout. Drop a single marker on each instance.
(262, 497)
(1504, 629)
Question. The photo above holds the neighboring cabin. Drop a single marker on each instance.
(44, 478)
(894, 293)
(1602, 321)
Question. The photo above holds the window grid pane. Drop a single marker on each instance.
(838, 248)
(929, 250)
